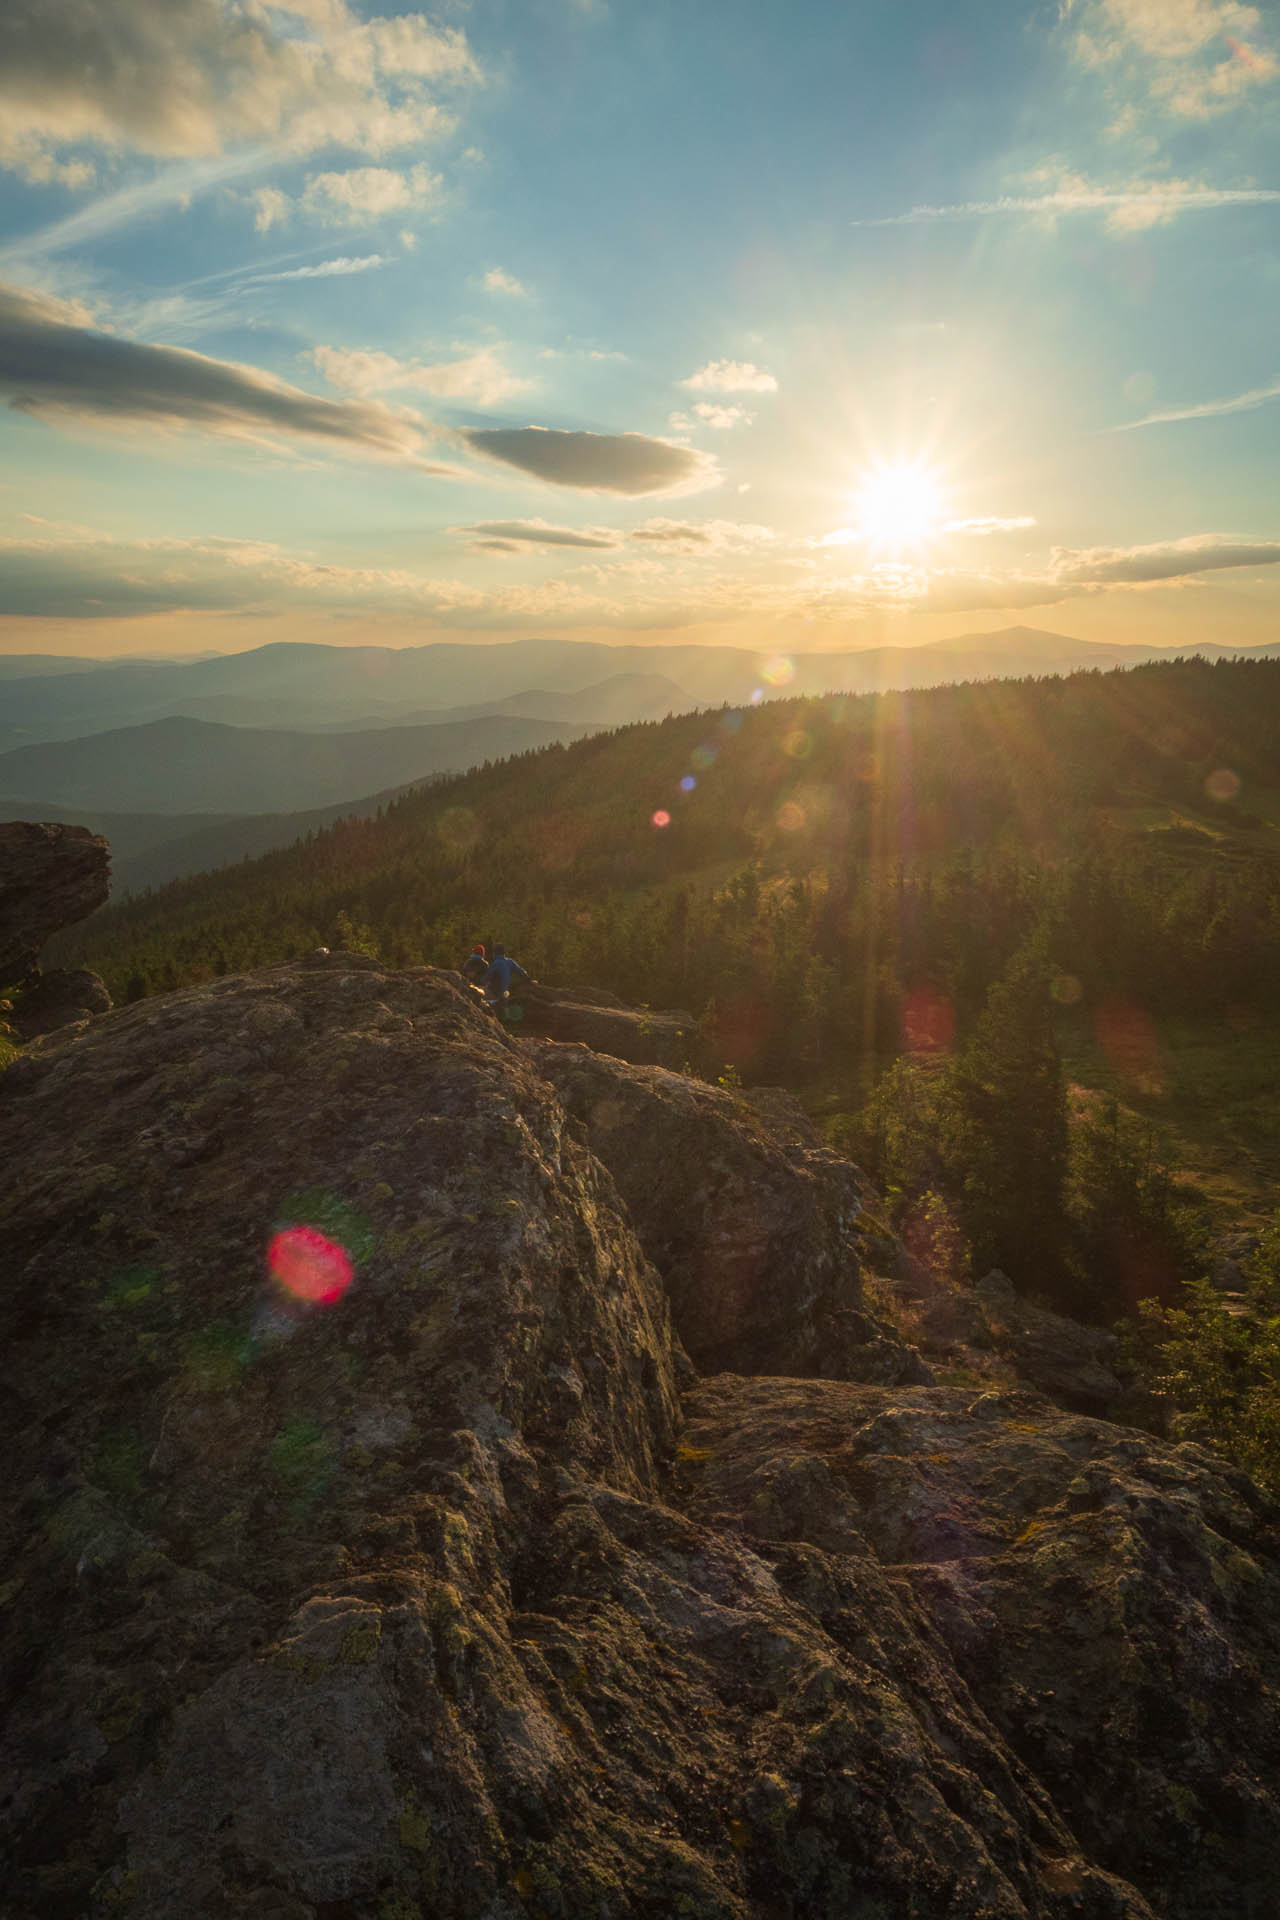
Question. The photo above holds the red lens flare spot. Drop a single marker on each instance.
(928, 1022)
(308, 1266)
(662, 818)
(1127, 1037)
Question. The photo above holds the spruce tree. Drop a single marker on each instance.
(1010, 1120)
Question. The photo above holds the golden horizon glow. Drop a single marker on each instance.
(899, 505)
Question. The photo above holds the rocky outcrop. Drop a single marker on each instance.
(60, 998)
(751, 1221)
(371, 1548)
(50, 876)
(601, 1021)
(995, 1333)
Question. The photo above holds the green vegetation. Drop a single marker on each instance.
(1216, 1358)
(1014, 941)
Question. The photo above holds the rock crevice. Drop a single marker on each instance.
(454, 1475)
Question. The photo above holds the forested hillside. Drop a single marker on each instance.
(1015, 942)
(821, 869)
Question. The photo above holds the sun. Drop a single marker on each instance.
(899, 506)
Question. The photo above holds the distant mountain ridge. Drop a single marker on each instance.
(305, 685)
(186, 766)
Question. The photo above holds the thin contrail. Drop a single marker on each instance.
(1089, 200)
(1204, 409)
(118, 209)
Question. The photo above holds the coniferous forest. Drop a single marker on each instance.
(957, 921)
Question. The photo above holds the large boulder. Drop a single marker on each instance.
(750, 1219)
(992, 1330)
(50, 876)
(357, 1563)
(60, 998)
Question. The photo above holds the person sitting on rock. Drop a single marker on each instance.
(476, 965)
(498, 978)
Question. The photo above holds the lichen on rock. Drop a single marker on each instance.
(461, 1590)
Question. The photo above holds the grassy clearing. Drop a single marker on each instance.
(1213, 1091)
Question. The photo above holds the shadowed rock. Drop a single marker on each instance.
(751, 1221)
(50, 876)
(60, 998)
(432, 1600)
(992, 1329)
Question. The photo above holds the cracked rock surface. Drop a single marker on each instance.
(549, 1568)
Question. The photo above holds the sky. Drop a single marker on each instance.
(803, 327)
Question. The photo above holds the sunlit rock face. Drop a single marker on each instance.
(373, 1549)
(50, 876)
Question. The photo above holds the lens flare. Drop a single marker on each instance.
(798, 744)
(779, 670)
(1222, 785)
(308, 1266)
(790, 817)
(928, 1021)
(662, 818)
(757, 695)
(688, 784)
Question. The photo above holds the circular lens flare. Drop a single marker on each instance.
(662, 818)
(309, 1266)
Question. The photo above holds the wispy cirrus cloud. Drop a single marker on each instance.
(671, 536)
(56, 365)
(1162, 560)
(1204, 409)
(1126, 208)
(623, 463)
(988, 523)
(324, 269)
(509, 536)
(480, 376)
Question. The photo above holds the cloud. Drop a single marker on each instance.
(626, 463)
(53, 362)
(496, 281)
(273, 208)
(1127, 209)
(362, 194)
(1164, 560)
(77, 574)
(324, 270)
(722, 418)
(1205, 409)
(988, 523)
(731, 376)
(185, 79)
(510, 536)
(702, 536)
(479, 376)
(671, 536)
(1193, 58)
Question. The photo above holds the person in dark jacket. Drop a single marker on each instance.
(476, 965)
(497, 980)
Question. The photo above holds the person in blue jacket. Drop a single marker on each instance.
(497, 981)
